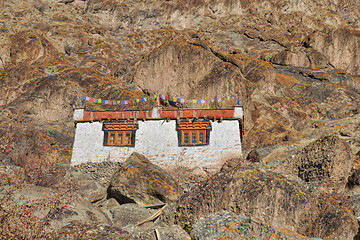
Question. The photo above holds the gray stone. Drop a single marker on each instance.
(226, 225)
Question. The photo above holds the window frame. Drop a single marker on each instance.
(117, 128)
(191, 128)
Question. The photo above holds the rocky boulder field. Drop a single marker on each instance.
(295, 65)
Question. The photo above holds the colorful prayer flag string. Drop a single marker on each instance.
(157, 97)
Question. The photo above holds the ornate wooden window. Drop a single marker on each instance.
(193, 133)
(119, 134)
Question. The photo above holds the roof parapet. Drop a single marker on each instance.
(238, 111)
(79, 114)
(155, 113)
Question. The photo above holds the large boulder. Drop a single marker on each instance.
(264, 195)
(139, 181)
(130, 214)
(39, 210)
(227, 225)
(80, 230)
(325, 163)
(83, 211)
(354, 179)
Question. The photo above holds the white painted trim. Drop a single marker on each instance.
(238, 112)
(78, 114)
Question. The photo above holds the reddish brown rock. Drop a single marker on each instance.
(253, 156)
(341, 47)
(267, 196)
(29, 47)
(325, 163)
(139, 181)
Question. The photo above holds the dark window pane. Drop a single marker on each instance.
(127, 139)
(112, 138)
(193, 137)
(186, 138)
(120, 138)
(202, 137)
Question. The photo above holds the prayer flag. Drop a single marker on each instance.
(182, 100)
(84, 97)
(199, 101)
(99, 100)
(174, 99)
(212, 100)
(114, 102)
(186, 100)
(126, 102)
(122, 102)
(137, 100)
(106, 101)
(91, 99)
(231, 96)
(102, 101)
(141, 100)
(95, 100)
(163, 97)
(110, 102)
(87, 98)
(222, 99)
(170, 99)
(202, 101)
(155, 95)
(215, 99)
(152, 97)
(118, 102)
(178, 100)
(206, 100)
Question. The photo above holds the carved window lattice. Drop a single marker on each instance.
(194, 133)
(120, 134)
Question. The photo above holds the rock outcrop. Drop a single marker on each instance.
(227, 225)
(294, 65)
(80, 230)
(139, 181)
(267, 196)
(325, 163)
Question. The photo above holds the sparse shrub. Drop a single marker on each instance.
(31, 157)
(17, 213)
(17, 220)
(32, 151)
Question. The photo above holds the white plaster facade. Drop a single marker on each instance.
(158, 141)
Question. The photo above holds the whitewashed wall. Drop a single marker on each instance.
(158, 141)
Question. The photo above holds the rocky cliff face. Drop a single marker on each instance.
(295, 65)
(270, 53)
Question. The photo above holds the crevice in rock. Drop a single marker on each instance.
(121, 199)
(357, 236)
